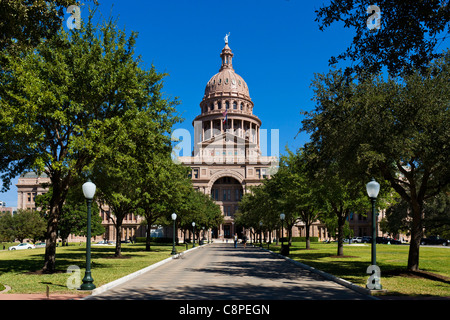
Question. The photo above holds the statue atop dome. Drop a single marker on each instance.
(226, 38)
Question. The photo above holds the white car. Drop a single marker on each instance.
(22, 246)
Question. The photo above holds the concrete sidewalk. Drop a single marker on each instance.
(222, 272)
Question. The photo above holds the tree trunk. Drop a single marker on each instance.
(147, 241)
(50, 243)
(416, 235)
(52, 231)
(341, 222)
(118, 251)
(307, 238)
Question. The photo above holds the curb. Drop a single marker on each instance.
(133, 275)
(327, 276)
(7, 288)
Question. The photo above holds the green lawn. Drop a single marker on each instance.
(20, 269)
(392, 260)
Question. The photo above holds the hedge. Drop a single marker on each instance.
(303, 239)
(155, 239)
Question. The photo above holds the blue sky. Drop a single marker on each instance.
(277, 48)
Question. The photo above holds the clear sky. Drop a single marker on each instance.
(277, 48)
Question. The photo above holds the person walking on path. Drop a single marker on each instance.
(244, 240)
(235, 240)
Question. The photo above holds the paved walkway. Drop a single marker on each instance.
(222, 272)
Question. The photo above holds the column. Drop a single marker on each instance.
(211, 128)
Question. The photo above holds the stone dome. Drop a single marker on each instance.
(226, 82)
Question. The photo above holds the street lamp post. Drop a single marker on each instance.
(89, 192)
(193, 234)
(174, 218)
(373, 188)
(203, 238)
(282, 217)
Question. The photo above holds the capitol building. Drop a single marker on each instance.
(225, 162)
(227, 159)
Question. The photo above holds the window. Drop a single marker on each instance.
(215, 194)
(219, 105)
(234, 105)
(264, 172)
(242, 106)
(195, 173)
(238, 194)
(227, 104)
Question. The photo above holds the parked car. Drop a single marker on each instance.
(436, 240)
(40, 245)
(366, 239)
(105, 243)
(392, 241)
(22, 246)
(357, 239)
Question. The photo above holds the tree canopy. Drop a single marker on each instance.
(394, 129)
(408, 39)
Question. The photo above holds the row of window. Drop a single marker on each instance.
(105, 216)
(260, 172)
(228, 211)
(226, 194)
(226, 81)
(226, 106)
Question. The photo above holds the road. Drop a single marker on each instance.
(222, 272)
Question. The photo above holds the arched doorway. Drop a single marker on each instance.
(227, 192)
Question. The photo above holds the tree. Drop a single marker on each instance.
(163, 185)
(197, 207)
(409, 35)
(123, 169)
(297, 192)
(25, 224)
(73, 219)
(56, 97)
(395, 130)
(339, 197)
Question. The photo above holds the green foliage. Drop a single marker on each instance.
(25, 224)
(73, 218)
(408, 38)
(68, 102)
(395, 130)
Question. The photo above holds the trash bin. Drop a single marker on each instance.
(284, 249)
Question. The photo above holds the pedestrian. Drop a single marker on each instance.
(244, 240)
(235, 240)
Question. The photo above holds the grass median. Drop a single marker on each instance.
(20, 269)
(432, 280)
